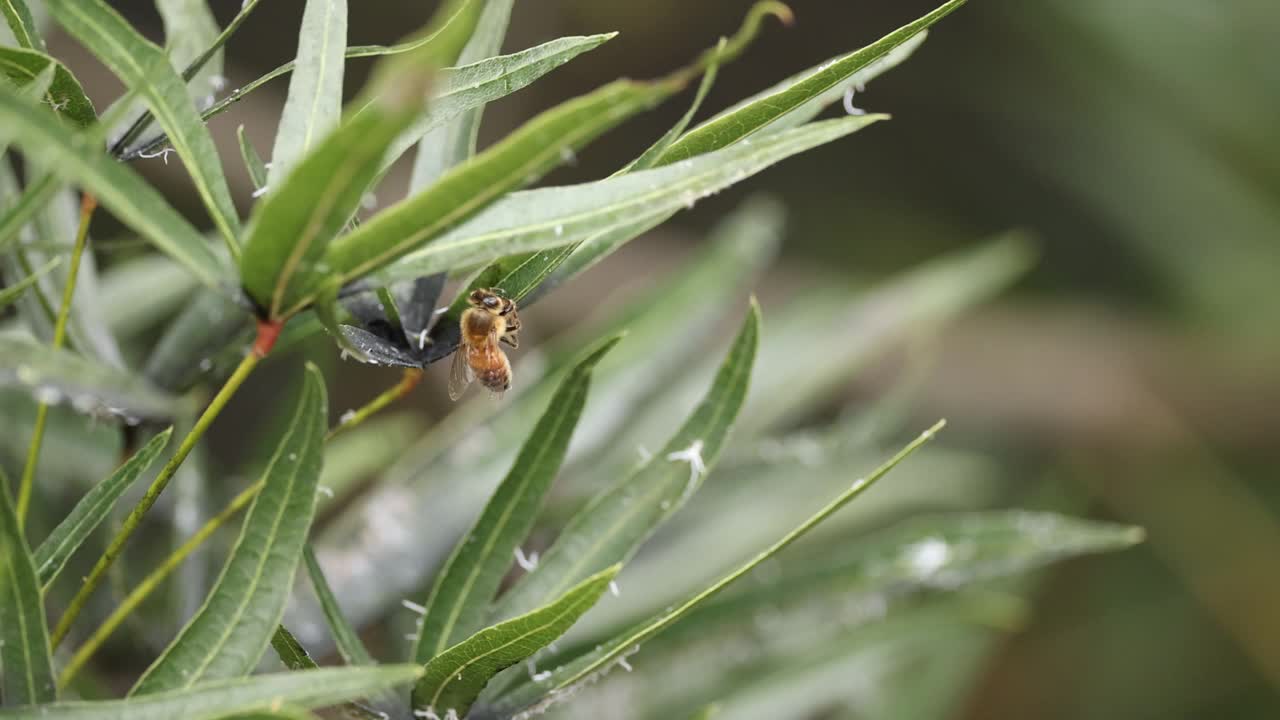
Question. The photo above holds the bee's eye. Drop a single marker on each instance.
(491, 301)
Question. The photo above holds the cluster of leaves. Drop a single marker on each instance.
(302, 262)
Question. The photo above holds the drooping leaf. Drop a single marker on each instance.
(290, 651)
(453, 679)
(144, 68)
(25, 664)
(64, 95)
(344, 635)
(55, 376)
(76, 156)
(229, 634)
(312, 107)
(553, 217)
(746, 120)
(190, 29)
(535, 148)
(15, 291)
(470, 578)
(22, 24)
(455, 140)
(538, 695)
(52, 554)
(618, 520)
(253, 163)
(219, 698)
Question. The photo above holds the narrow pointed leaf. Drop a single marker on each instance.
(344, 635)
(229, 634)
(470, 578)
(24, 28)
(15, 291)
(649, 158)
(522, 157)
(190, 29)
(219, 698)
(60, 376)
(253, 163)
(79, 158)
(453, 680)
(25, 664)
(290, 651)
(314, 102)
(534, 697)
(144, 68)
(93, 508)
(64, 95)
(746, 120)
(552, 217)
(454, 141)
(617, 521)
(293, 225)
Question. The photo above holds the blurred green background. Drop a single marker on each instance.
(1133, 374)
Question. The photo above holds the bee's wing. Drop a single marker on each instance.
(460, 375)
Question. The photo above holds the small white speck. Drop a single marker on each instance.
(163, 154)
(347, 416)
(529, 562)
(622, 663)
(928, 556)
(539, 677)
(293, 456)
(217, 82)
(441, 311)
(413, 606)
(260, 192)
(613, 588)
(559, 230)
(422, 339)
(369, 201)
(325, 490)
(697, 468)
(645, 454)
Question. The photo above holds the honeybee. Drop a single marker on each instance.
(491, 319)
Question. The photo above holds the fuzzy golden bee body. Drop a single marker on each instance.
(491, 319)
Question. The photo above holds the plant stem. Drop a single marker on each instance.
(87, 205)
(408, 381)
(267, 333)
(152, 581)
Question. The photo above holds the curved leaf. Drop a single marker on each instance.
(92, 509)
(533, 697)
(24, 637)
(746, 120)
(65, 95)
(452, 681)
(229, 633)
(535, 148)
(470, 578)
(217, 699)
(79, 157)
(314, 101)
(54, 376)
(144, 68)
(553, 217)
(22, 24)
(619, 519)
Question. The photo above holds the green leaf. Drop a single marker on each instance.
(454, 678)
(539, 695)
(190, 29)
(344, 635)
(217, 699)
(535, 148)
(746, 120)
(454, 141)
(78, 157)
(290, 651)
(144, 68)
(55, 376)
(229, 634)
(552, 217)
(52, 554)
(649, 158)
(27, 670)
(22, 24)
(280, 714)
(459, 600)
(14, 291)
(293, 226)
(619, 519)
(252, 161)
(314, 102)
(64, 95)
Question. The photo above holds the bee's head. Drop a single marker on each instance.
(486, 300)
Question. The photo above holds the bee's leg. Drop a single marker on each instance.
(511, 339)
